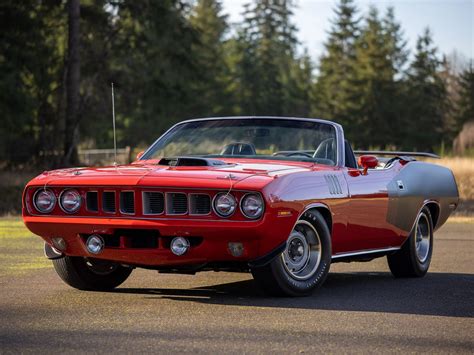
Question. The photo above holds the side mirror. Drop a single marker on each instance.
(139, 155)
(368, 162)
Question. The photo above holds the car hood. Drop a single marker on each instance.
(240, 174)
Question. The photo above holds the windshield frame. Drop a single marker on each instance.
(340, 156)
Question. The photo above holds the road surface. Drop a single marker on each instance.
(360, 308)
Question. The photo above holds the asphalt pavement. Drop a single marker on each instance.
(361, 308)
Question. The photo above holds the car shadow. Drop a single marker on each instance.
(437, 294)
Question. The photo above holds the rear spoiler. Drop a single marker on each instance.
(385, 152)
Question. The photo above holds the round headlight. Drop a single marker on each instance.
(252, 206)
(70, 201)
(224, 204)
(44, 200)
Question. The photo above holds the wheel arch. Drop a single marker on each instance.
(434, 208)
(323, 210)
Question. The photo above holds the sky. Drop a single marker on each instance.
(450, 21)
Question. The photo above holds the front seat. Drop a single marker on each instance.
(239, 148)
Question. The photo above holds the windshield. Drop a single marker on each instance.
(283, 139)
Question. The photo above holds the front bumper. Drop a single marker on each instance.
(259, 238)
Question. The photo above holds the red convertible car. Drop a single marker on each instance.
(280, 197)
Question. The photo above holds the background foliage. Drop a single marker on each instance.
(176, 59)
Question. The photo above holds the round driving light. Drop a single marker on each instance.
(95, 244)
(179, 246)
(252, 206)
(44, 200)
(224, 204)
(70, 201)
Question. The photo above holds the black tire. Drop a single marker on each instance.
(410, 261)
(276, 279)
(90, 274)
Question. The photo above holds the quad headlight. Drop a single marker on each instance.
(224, 204)
(70, 201)
(44, 200)
(252, 205)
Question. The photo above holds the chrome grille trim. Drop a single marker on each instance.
(199, 204)
(92, 201)
(127, 202)
(176, 203)
(153, 203)
(108, 202)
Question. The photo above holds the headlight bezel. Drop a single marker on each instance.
(53, 204)
(243, 199)
(64, 209)
(214, 202)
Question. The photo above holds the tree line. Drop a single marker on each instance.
(175, 59)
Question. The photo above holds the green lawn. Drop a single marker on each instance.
(20, 250)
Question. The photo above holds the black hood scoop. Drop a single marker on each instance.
(190, 161)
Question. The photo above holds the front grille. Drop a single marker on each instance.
(108, 201)
(127, 202)
(176, 203)
(92, 201)
(153, 202)
(199, 204)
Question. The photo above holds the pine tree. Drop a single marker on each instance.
(212, 82)
(333, 92)
(465, 105)
(380, 58)
(267, 44)
(427, 98)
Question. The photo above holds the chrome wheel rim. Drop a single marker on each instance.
(100, 267)
(303, 251)
(422, 237)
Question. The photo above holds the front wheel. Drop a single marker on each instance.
(305, 262)
(414, 258)
(91, 274)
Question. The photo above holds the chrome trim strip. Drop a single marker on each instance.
(242, 199)
(49, 210)
(61, 204)
(166, 203)
(134, 204)
(363, 252)
(338, 128)
(189, 204)
(214, 208)
(143, 203)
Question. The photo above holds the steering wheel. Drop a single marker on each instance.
(326, 149)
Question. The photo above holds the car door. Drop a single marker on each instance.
(367, 208)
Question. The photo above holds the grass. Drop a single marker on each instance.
(463, 169)
(20, 250)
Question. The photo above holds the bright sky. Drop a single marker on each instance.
(451, 21)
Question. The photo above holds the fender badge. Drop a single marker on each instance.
(400, 184)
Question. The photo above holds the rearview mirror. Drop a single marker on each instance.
(368, 162)
(139, 155)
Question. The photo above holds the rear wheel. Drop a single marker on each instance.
(90, 274)
(414, 258)
(305, 262)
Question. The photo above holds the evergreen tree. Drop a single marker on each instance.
(380, 58)
(267, 44)
(212, 81)
(465, 105)
(334, 90)
(427, 99)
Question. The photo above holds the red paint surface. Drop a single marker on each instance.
(358, 211)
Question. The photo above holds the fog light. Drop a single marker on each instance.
(179, 246)
(59, 243)
(236, 249)
(95, 244)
